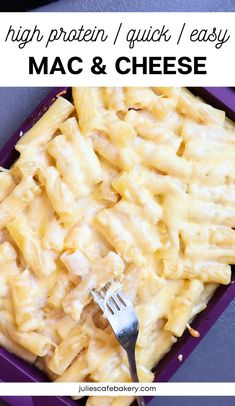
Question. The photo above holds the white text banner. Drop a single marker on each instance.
(117, 49)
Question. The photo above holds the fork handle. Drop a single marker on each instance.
(134, 374)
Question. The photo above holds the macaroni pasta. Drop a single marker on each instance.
(130, 184)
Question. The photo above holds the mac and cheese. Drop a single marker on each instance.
(130, 184)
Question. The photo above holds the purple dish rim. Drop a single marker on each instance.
(16, 370)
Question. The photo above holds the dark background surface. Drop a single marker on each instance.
(214, 358)
(120, 5)
(141, 5)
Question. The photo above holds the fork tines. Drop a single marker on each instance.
(115, 302)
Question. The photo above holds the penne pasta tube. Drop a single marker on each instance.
(49, 122)
(69, 348)
(88, 105)
(17, 200)
(6, 184)
(182, 307)
(28, 315)
(77, 371)
(39, 260)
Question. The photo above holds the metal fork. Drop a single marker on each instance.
(123, 320)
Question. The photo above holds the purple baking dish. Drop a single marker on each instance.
(14, 369)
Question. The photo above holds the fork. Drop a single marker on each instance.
(124, 322)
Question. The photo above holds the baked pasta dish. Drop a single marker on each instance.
(134, 185)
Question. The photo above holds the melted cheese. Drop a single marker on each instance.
(137, 187)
